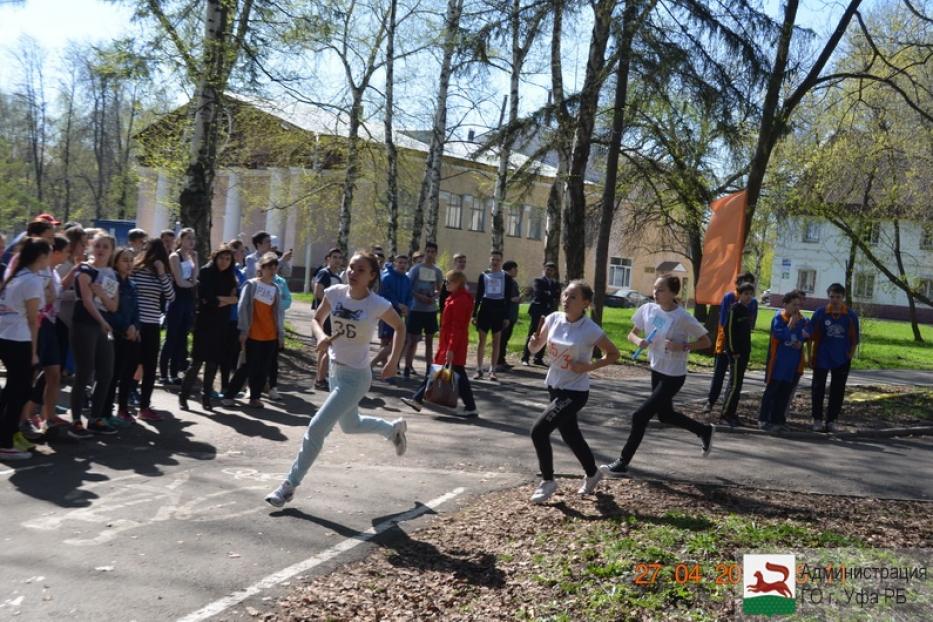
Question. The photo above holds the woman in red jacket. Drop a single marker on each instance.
(452, 346)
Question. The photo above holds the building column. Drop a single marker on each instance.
(274, 220)
(160, 213)
(232, 207)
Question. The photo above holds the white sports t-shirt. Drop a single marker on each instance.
(677, 326)
(355, 321)
(568, 342)
(26, 285)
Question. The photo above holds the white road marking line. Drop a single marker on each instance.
(274, 579)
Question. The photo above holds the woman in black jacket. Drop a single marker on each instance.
(217, 287)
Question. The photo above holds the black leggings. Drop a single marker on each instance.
(17, 359)
(561, 414)
(149, 357)
(660, 402)
(837, 391)
(737, 365)
(259, 355)
(126, 358)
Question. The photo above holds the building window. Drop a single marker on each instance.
(474, 210)
(872, 234)
(535, 223)
(926, 238)
(620, 272)
(514, 226)
(454, 209)
(864, 285)
(806, 280)
(811, 231)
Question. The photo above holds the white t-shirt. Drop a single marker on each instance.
(355, 321)
(14, 325)
(53, 289)
(677, 325)
(568, 342)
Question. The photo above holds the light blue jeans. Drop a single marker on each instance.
(348, 385)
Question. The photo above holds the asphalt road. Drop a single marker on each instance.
(166, 521)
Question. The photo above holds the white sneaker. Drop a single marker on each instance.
(818, 425)
(274, 394)
(544, 491)
(11, 454)
(398, 438)
(281, 495)
(590, 483)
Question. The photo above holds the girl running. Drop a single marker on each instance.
(217, 292)
(179, 317)
(570, 337)
(669, 330)
(97, 291)
(153, 284)
(21, 295)
(354, 312)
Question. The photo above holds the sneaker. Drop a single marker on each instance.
(469, 413)
(78, 431)
(544, 491)
(590, 483)
(100, 426)
(412, 403)
(707, 409)
(540, 363)
(281, 495)
(274, 394)
(31, 428)
(115, 422)
(21, 443)
(398, 438)
(492, 376)
(226, 401)
(502, 367)
(56, 422)
(707, 439)
(217, 395)
(525, 363)
(831, 427)
(408, 372)
(765, 426)
(731, 422)
(11, 454)
(183, 401)
(478, 375)
(147, 414)
(616, 468)
(818, 426)
(125, 416)
(255, 404)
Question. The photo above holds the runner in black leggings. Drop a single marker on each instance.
(665, 329)
(570, 338)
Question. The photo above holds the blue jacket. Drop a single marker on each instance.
(240, 280)
(395, 287)
(285, 297)
(785, 363)
(127, 313)
(835, 336)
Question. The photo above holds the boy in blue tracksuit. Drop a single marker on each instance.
(722, 358)
(394, 286)
(738, 347)
(789, 331)
(835, 336)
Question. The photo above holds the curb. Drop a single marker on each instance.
(858, 433)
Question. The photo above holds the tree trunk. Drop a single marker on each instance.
(195, 198)
(430, 183)
(353, 167)
(695, 241)
(391, 151)
(607, 211)
(850, 269)
(574, 233)
(911, 304)
(557, 193)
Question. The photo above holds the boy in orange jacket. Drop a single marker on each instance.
(452, 345)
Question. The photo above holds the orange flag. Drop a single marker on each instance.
(722, 248)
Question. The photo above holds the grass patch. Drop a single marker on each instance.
(885, 344)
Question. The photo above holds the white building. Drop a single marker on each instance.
(810, 254)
